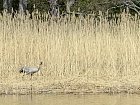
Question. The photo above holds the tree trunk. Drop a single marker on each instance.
(54, 8)
(7, 5)
(22, 6)
(69, 4)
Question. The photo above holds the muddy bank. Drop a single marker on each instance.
(67, 88)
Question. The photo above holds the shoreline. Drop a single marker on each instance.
(76, 89)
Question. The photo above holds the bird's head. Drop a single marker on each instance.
(21, 70)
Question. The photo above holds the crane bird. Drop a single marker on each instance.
(30, 70)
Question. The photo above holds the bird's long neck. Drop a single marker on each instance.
(39, 67)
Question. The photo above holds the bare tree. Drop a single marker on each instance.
(130, 4)
(126, 3)
(7, 5)
(54, 7)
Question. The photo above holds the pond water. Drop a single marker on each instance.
(102, 99)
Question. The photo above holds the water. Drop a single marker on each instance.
(102, 99)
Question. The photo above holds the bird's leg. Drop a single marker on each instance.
(31, 77)
(31, 82)
(23, 75)
(41, 73)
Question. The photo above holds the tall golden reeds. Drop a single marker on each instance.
(79, 54)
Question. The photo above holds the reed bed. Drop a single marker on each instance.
(79, 54)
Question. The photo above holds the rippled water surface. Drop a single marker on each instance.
(102, 99)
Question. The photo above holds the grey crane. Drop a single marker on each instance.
(30, 70)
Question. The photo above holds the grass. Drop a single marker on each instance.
(80, 55)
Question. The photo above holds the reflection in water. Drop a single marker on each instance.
(102, 99)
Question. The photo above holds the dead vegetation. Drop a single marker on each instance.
(80, 55)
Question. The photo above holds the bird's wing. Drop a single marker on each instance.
(32, 69)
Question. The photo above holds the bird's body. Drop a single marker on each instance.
(30, 70)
